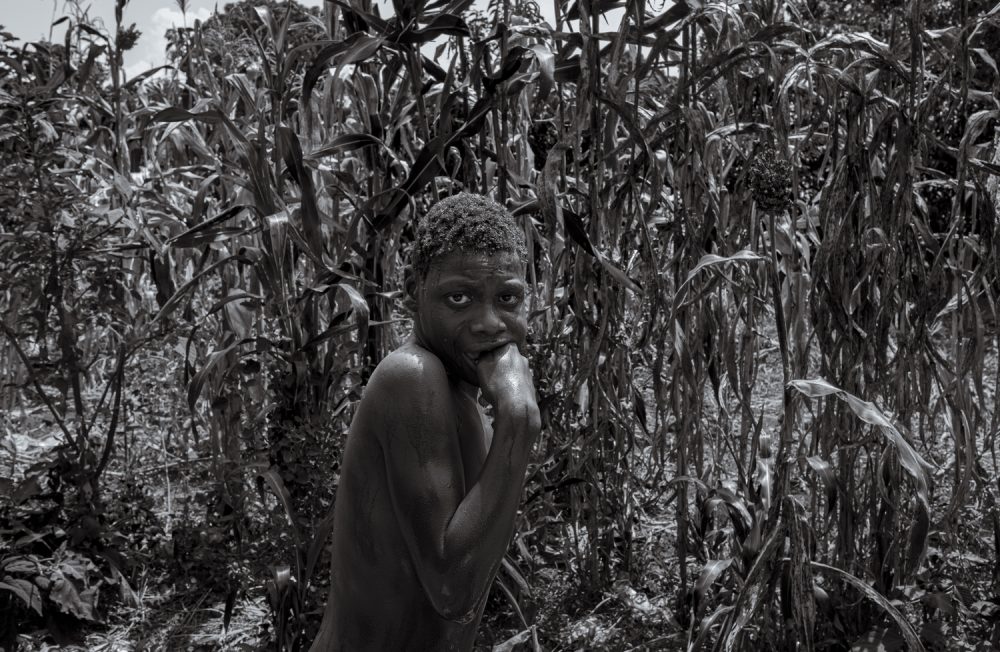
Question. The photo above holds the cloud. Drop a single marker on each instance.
(149, 52)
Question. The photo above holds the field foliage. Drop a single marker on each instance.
(763, 247)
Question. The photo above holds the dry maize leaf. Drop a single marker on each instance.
(910, 636)
(800, 572)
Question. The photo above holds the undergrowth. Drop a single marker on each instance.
(762, 244)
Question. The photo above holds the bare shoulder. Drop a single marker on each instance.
(408, 367)
(409, 382)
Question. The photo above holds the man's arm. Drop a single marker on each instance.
(456, 535)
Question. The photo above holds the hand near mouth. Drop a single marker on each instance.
(505, 377)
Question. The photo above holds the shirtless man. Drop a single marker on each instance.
(426, 503)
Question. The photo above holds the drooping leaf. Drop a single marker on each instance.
(311, 222)
(618, 274)
(712, 570)
(146, 74)
(599, 7)
(363, 50)
(826, 473)
(706, 625)
(750, 597)
(177, 114)
(424, 169)
(676, 12)
(912, 640)
(357, 47)
(237, 316)
(765, 482)
(216, 359)
(26, 591)
(320, 535)
(915, 465)
(712, 260)
(231, 595)
(346, 142)
(178, 297)
(546, 69)
(28, 488)
(440, 25)
(208, 231)
(281, 491)
(577, 231)
(83, 74)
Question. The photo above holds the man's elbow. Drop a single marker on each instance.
(454, 604)
(534, 419)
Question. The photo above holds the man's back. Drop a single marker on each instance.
(376, 599)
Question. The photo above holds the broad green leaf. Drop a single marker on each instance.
(69, 599)
(736, 129)
(83, 74)
(735, 507)
(26, 565)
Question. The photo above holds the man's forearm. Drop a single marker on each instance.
(478, 534)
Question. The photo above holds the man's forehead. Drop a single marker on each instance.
(475, 265)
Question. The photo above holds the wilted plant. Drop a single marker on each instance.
(270, 187)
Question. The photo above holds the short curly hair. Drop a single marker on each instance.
(468, 223)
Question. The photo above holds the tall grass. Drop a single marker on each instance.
(764, 280)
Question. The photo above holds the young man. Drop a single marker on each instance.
(427, 497)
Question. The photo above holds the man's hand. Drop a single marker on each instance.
(505, 377)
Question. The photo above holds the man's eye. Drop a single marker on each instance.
(510, 299)
(459, 299)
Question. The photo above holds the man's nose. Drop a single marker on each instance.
(488, 321)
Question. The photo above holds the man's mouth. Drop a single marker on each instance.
(481, 351)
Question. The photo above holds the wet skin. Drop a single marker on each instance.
(426, 504)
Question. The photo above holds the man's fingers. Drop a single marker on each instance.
(494, 354)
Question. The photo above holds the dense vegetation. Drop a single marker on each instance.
(763, 242)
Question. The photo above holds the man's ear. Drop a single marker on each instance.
(410, 289)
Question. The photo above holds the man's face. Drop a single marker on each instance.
(469, 304)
